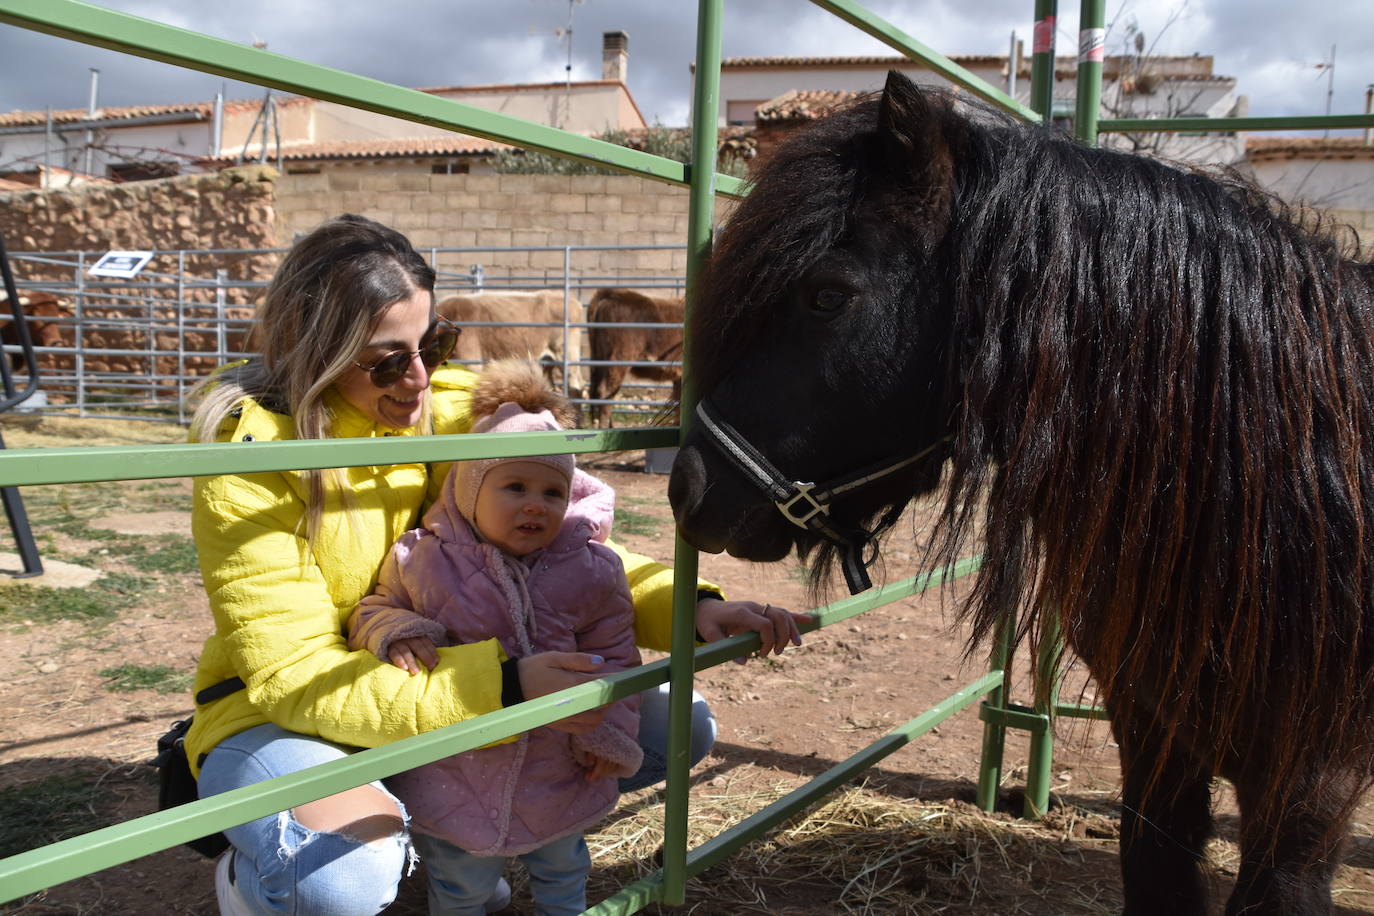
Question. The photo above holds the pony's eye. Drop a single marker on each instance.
(830, 299)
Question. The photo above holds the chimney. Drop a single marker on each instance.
(615, 56)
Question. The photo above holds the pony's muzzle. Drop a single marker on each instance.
(686, 490)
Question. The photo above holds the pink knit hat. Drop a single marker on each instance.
(512, 397)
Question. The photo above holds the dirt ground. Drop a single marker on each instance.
(89, 690)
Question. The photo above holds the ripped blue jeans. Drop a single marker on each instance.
(280, 866)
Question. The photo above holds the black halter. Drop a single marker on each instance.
(807, 505)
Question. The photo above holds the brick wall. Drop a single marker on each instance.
(499, 211)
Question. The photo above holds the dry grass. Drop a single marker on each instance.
(860, 852)
(864, 852)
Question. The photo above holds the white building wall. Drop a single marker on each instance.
(743, 89)
(1331, 184)
(178, 143)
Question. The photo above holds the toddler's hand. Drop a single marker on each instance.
(596, 767)
(404, 653)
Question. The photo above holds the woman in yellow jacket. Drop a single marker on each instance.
(351, 348)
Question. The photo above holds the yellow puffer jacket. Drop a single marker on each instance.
(280, 614)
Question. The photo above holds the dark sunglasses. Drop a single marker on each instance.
(435, 346)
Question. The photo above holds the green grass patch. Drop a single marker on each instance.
(125, 678)
(628, 521)
(99, 602)
(167, 553)
(52, 809)
(69, 506)
(170, 554)
(80, 528)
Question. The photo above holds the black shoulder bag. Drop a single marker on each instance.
(176, 786)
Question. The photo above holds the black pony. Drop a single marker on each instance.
(1149, 391)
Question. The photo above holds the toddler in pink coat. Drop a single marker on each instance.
(512, 551)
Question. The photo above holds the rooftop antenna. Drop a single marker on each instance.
(565, 34)
(91, 110)
(1329, 65)
(267, 117)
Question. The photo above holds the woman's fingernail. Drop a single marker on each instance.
(597, 659)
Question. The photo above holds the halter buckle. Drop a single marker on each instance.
(803, 494)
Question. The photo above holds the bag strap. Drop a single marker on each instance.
(222, 689)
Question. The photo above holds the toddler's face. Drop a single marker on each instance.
(521, 505)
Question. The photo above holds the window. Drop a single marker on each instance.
(142, 171)
(449, 168)
(741, 112)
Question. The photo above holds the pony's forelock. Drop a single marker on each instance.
(800, 205)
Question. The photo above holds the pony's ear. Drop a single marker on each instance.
(914, 136)
(904, 116)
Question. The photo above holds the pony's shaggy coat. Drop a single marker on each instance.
(1157, 385)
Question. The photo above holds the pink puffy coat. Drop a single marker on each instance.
(443, 582)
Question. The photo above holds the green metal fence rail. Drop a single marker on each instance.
(43, 867)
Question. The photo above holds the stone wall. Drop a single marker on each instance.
(232, 209)
(228, 209)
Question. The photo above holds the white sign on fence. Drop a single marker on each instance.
(122, 264)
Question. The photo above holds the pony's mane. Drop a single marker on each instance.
(1165, 379)
(1162, 382)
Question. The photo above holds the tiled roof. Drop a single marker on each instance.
(1266, 148)
(389, 148)
(804, 104)
(519, 87)
(206, 109)
(964, 60)
(1187, 67)
(18, 118)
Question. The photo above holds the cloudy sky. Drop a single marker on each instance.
(1273, 48)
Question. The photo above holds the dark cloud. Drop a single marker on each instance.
(1270, 47)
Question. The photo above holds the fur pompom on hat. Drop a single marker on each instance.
(512, 397)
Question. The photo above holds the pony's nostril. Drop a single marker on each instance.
(687, 484)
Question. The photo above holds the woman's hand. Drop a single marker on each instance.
(776, 626)
(549, 672)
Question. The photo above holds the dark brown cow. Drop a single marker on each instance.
(625, 306)
(544, 307)
(40, 308)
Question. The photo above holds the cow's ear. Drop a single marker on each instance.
(918, 132)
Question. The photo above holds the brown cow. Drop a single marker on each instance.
(37, 306)
(544, 307)
(625, 306)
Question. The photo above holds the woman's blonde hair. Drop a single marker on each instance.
(321, 307)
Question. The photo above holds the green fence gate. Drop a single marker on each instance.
(62, 861)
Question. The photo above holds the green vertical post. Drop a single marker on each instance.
(1042, 58)
(995, 733)
(1041, 756)
(1092, 37)
(1092, 46)
(700, 219)
(1040, 762)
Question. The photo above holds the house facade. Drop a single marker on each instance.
(300, 134)
(1134, 87)
(1333, 174)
